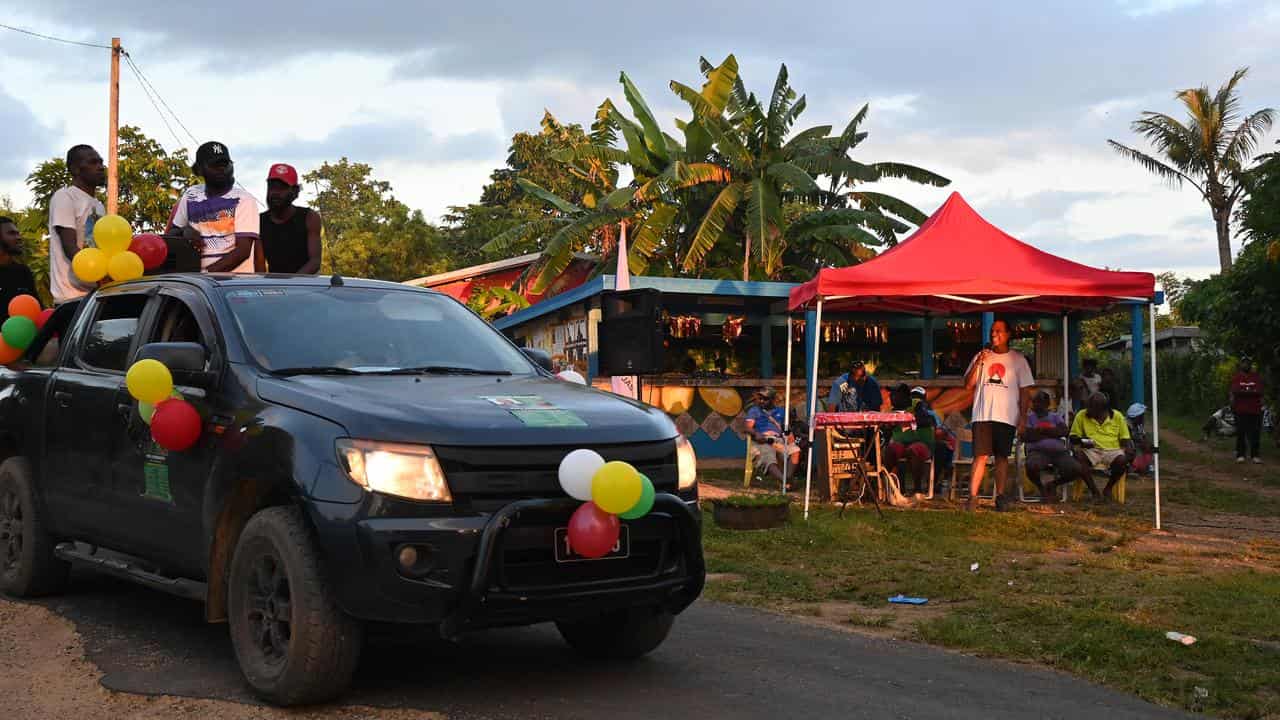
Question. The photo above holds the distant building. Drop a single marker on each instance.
(1183, 338)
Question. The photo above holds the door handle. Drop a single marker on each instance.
(63, 398)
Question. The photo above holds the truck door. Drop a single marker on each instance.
(161, 493)
(82, 417)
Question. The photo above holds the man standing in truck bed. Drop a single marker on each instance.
(290, 235)
(218, 218)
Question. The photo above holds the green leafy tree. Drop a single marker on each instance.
(1260, 210)
(150, 180)
(1234, 310)
(595, 222)
(494, 302)
(504, 204)
(367, 231)
(1209, 150)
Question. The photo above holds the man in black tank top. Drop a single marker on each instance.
(289, 235)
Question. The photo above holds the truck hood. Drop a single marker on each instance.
(470, 410)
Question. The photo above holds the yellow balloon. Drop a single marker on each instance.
(616, 487)
(149, 381)
(112, 234)
(125, 266)
(90, 265)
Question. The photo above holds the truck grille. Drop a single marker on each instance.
(486, 478)
(528, 560)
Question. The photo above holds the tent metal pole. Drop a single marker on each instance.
(786, 419)
(1155, 415)
(813, 405)
(1065, 406)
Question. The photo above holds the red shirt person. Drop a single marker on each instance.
(1246, 404)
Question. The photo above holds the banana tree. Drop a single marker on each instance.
(849, 221)
(648, 206)
(758, 162)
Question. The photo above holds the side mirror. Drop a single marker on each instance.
(539, 357)
(186, 360)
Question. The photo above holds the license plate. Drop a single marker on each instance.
(565, 553)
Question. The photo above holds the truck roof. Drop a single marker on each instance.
(213, 280)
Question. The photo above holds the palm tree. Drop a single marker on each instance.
(771, 172)
(1209, 150)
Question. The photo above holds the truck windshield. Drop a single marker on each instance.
(352, 330)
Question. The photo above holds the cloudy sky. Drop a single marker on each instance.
(1012, 100)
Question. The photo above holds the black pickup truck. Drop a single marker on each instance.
(370, 453)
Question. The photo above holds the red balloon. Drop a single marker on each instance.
(175, 425)
(43, 317)
(592, 531)
(151, 248)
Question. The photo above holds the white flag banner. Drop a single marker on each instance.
(624, 385)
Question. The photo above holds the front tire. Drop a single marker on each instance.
(620, 635)
(28, 565)
(294, 644)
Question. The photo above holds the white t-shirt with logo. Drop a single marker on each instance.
(219, 220)
(77, 210)
(999, 387)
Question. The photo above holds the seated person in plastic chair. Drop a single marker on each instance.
(1100, 437)
(1143, 459)
(944, 439)
(766, 422)
(913, 446)
(1045, 438)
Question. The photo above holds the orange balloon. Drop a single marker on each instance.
(8, 353)
(25, 306)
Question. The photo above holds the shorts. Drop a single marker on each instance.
(992, 438)
(1099, 457)
(1062, 462)
(897, 452)
(766, 454)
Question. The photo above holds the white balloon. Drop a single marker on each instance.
(576, 470)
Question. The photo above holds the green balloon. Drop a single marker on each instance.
(18, 332)
(644, 504)
(146, 410)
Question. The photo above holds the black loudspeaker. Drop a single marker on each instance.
(631, 336)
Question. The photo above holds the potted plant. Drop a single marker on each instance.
(751, 512)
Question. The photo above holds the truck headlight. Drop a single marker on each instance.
(407, 471)
(686, 463)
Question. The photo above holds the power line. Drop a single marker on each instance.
(143, 78)
(55, 39)
(147, 93)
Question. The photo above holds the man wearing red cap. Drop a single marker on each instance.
(290, 235)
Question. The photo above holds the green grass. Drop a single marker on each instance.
(1085, 596)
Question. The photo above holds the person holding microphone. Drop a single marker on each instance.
(1001, 381)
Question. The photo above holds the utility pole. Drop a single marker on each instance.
(113, 131)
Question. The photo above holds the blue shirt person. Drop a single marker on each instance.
(769, 449)
(855, 391)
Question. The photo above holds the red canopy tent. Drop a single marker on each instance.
(957, 262)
